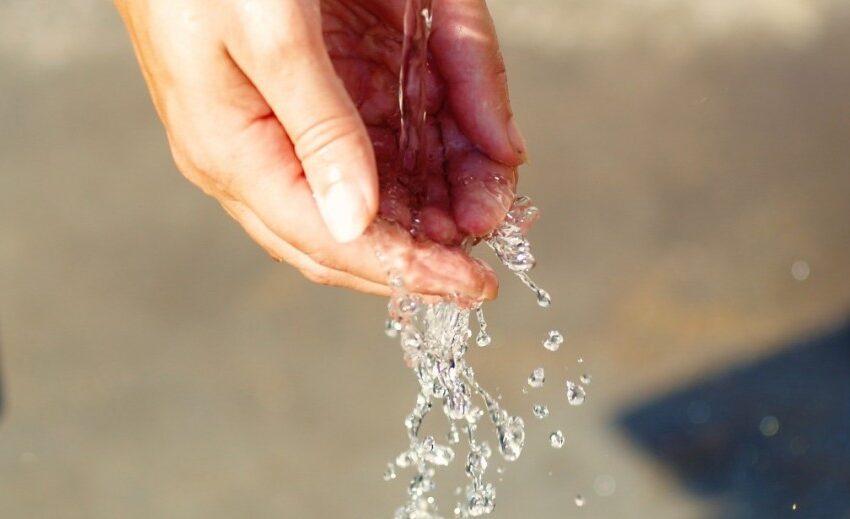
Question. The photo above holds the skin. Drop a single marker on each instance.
(286, 112)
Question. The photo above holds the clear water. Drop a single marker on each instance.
(537, 378)
(434, 336)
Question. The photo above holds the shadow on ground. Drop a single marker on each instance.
(770, 438)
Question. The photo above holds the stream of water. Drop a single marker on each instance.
(434, 336)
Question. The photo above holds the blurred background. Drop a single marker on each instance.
(692, 162)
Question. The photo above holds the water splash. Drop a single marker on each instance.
(434, 339)
(434, 336)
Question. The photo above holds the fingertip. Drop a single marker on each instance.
(482, 192)
(439, 225)
(518, 142)
(345, 210)
(478, 212)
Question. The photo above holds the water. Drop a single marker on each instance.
(556, 439)
(575, 393)
(434, 335)
(483, 339)
(540, 411)
(553, 341)
(537, 378)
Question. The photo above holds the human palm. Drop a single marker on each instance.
(458, 190)
(256, 115)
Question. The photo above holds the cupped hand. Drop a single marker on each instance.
(286, 112)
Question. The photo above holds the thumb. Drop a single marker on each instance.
(284, 55)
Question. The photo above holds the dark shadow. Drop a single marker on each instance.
(762, 437)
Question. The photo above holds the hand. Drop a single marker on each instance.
(286, 112)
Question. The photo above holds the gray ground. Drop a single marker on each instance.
(156, 364)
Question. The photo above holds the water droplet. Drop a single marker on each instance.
(794, 507)
(392, 327)
(428, 444)
(579, 501)
(440, 455)
(408, 305)
(411, 340)
(537, 378)
(474, 415)
(556, 439)
(575, 393)
(483, 339)
(396, 281)
(540, 411)
(476, 463)
(453, 436)
(389, 474)
(553, 341)
(482, 501)
(581, 360)
(604, 485)
(801, 270)
(457, 402)
(511, 438)
(769, 426)
(544, 300)
(406, 459)
(586, 379)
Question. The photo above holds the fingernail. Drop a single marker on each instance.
(516, 138)
(344, 211)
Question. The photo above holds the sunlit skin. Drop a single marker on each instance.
(286, 112)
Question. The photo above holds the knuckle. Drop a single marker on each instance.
(324, 258)
(323, 133)
(262, 32)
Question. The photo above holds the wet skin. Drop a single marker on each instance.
(286, 112)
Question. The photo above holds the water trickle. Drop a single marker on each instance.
(483, 339)
(389, 474)
(575, 393)
(434, 335)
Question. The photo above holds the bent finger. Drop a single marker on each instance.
(467, 53)
(285, 56)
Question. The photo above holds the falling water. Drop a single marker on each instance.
(434, 336)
